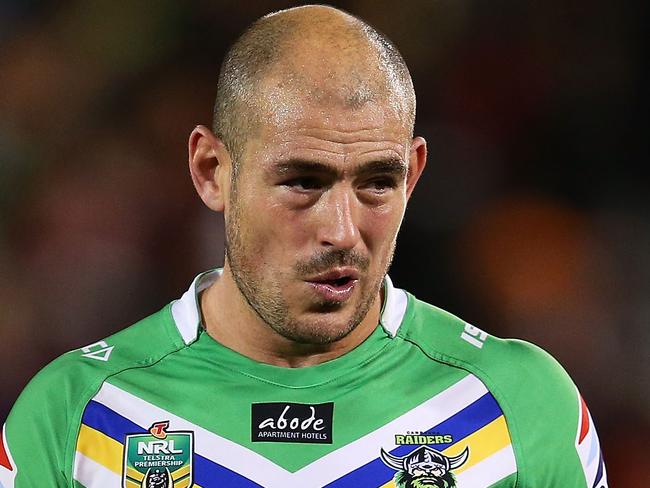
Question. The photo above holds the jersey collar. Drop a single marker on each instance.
(187, 316)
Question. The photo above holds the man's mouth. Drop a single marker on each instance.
(336, 285)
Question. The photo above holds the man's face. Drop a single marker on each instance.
(313, 216)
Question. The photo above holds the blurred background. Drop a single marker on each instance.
(531, 220)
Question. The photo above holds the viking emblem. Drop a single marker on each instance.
(158, 478)
(425, 467)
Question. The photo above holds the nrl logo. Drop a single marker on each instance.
(425, 468)
(158, 459)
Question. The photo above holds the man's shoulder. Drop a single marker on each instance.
(76, 375)
(540, 402)
(505, 365)
(43, 424)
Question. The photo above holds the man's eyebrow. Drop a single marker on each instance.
(394, 166)
(301, 166)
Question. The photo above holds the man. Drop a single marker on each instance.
(299, 364)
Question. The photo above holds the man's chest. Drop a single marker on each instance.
(449, 432)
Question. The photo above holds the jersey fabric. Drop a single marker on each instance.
(426, 400)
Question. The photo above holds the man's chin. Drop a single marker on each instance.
(326, 307)
(318, 328)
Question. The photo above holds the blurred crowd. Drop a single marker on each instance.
(530, 221)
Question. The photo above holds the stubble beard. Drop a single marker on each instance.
(264, 294)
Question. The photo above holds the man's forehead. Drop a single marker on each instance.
(280, 109)
(341, 136)
(326, 87)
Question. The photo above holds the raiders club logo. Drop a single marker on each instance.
(425, 467)
(158, 459)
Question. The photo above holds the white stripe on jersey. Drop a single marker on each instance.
(94, 475)
(421, 418)
(206, 443)
(324, 470)
(490, 470)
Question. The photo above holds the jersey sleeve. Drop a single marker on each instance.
(551, 425)
(37, 432)
(39, 439)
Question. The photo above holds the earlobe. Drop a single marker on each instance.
(417, 162)
(209, 164)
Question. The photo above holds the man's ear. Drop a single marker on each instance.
(417, 162)
(210, 167)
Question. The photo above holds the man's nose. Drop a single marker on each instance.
(339, 225)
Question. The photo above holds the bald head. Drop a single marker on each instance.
(314, 54)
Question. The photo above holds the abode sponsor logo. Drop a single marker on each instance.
(292, 422)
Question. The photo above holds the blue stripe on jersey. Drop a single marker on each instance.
(599, 473)
(460, 425)
(207, 473)
(105, 420)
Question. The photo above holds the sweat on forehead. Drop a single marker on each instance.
(313, 54)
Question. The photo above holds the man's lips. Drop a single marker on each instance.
(335, 274)
(336, 285)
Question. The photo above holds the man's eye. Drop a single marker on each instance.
(303, 184)
(380, 185)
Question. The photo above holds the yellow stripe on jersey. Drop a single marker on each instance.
(482, 444)
(134, 474)
(183, 483)
(179, 473)
(100, 448)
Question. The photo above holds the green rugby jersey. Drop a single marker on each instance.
(426, 400)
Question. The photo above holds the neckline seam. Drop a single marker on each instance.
(334, 378)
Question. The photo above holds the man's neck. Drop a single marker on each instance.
(230, 320)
